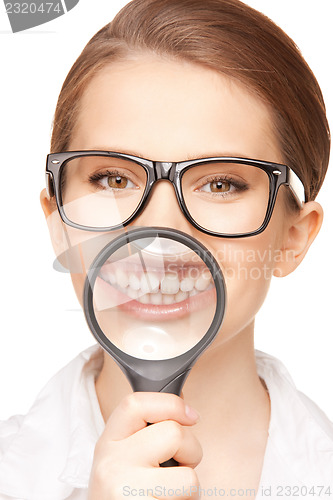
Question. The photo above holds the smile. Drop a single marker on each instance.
(167, 292)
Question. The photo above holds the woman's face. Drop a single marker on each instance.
(171, 111)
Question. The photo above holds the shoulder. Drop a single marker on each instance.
(36, 448)
(317, 415)
(300, 432)
(8, 429)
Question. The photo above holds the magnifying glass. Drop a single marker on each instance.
(154, 299)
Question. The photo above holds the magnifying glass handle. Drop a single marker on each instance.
(170, 463)
(174, 387)
(176, 384)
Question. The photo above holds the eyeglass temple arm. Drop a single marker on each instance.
(49, 184)
(297, 187)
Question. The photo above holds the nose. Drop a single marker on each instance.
(162, 209)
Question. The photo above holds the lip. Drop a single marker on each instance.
(108, 294)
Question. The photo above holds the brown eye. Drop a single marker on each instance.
(220, 186)
(117, 182)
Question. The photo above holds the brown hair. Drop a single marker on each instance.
(228, 37)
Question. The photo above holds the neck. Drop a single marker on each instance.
(223, 382)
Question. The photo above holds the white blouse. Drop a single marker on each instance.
(47, 454)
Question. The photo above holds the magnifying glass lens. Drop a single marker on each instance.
(153, 298)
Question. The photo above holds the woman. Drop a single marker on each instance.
(169, 81)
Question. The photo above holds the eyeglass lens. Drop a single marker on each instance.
(226, 198)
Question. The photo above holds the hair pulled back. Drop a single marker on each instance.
(231, 38)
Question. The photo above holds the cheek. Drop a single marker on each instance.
(82, 247)
(78, 281)
(247, 266)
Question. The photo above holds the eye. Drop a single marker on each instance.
(112, 181)
(118, 182)
(218, 186)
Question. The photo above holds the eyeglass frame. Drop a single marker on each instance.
(278, 174)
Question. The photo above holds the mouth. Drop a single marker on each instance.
(154, 292)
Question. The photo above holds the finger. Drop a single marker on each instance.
(162, 441)
(177, 482)
(139, 408)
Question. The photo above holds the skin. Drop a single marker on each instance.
(186, 111)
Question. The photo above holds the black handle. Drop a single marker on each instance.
(170, 463)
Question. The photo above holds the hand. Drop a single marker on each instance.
(128, 453)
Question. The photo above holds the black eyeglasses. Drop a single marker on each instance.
(221, 196)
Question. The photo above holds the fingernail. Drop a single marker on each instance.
(191, 413)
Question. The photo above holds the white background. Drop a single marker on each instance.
(41, 326)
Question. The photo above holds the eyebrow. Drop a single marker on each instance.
(189, 157)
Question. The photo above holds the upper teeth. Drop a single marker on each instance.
(149, 283)
(170, 284)
(155, 287)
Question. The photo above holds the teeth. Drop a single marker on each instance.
(202, 282)
(180, 296)
(145, 299)
(134, 282)
(112, 278)
(104, 275)
(187, 284)
(170, 284)
(168, 299)
(149, 288)
(156, 298)
(133, 294)
(149, 283)
(122, 278)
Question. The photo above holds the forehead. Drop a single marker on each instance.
(172, 110)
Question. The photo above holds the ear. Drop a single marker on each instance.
(300, 232)
(54, 222)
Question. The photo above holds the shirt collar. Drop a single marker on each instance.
(52, 452)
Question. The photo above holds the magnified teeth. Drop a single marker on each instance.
(145, 299)
(153, 287)
(122, 278)
(111, 278)
(170, 284)
(187, 284)
(168, 299)
(134, 282)
(133, 294)
(149, 283)
(202, 282)
(180, 296)
(156, 298)
(104, 275)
